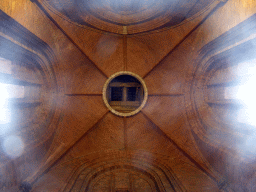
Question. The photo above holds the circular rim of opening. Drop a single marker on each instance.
(144, 89)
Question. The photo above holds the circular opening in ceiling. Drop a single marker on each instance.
(125, 93)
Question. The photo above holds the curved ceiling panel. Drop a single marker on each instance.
(128, 16)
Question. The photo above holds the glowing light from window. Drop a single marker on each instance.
(8, 91)
(4, 111)
(13, 146)
(5, 66)
(245, 92)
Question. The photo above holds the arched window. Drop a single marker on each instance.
(244, 91)
(19, 87)
(8, 90)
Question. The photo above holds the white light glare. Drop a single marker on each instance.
(4, 112)
(8, 91)
(13, 146)
(246, 92)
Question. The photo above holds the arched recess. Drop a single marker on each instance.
(129, 17)
(90, 169)
(30, 61)
(123, 177)
(29, 56)
(211, 115)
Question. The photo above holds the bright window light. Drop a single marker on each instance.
(8, 91)
(5, 66)
(4, 112)
(245, 92)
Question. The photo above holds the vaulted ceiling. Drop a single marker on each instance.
(186, 137)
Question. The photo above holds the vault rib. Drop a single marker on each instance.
(61, 151)
(63, 31)
(181, 150)
(125, 133)
(81, 94)
(125, 51)
(182, 40)
(166, 95)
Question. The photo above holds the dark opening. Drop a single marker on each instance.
(131, 94)
(125, 79)
(125, 93)
(120, 190)
(116, 93)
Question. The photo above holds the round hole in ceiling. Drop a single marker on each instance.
(125, 93)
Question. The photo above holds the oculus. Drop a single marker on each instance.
(125, 93)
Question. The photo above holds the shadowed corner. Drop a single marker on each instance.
(25, 187)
